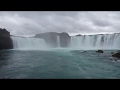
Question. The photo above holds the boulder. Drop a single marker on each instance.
(5, 40)
(99, 51)
(118, 51)
(112, 52)
(117, 55)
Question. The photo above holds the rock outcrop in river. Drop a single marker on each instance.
(117, 55)
(99, 51)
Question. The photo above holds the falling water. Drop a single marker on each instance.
(105, 41)
(28, 43)
(89, 42)
(58, 41)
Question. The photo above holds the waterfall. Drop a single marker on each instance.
(88, 42)
(105, 41)
(58, 41)
(28, 43)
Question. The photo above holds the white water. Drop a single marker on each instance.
(28, 43)
(111, 41)
(87, 42)
(58, 41)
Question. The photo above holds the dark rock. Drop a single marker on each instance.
(79, 35)
(112, 52)
(84, 51)
(99, 51)
(64, 39)
(51, 38)
(5, 40)
(115, 60)
(117, 55)
(118, 51)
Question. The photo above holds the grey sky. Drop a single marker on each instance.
(83, 22)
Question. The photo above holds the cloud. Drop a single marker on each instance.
(72, 22)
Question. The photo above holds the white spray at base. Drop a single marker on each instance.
(58, 41)
(28, 43)
(84, 42)
(91, 42)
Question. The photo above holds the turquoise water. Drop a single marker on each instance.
(58, 64)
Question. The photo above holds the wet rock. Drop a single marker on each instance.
(118, 51)
(99, 51)
(5, 40)
(117, 55)
(84, 51)
(78, 35)
(51, 38)
(112, 52)
(64, 39)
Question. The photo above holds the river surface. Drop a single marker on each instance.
(58, 64)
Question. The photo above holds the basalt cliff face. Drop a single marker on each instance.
(52, 38)
(64, 39)
(5, 40)
(49, 37)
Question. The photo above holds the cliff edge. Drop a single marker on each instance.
(5, 40)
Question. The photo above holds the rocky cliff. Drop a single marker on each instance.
(64, 39)
(5, 40)
(51, 38)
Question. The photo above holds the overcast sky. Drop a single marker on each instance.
(83, 22)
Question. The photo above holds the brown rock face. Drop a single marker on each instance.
(5, 40)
